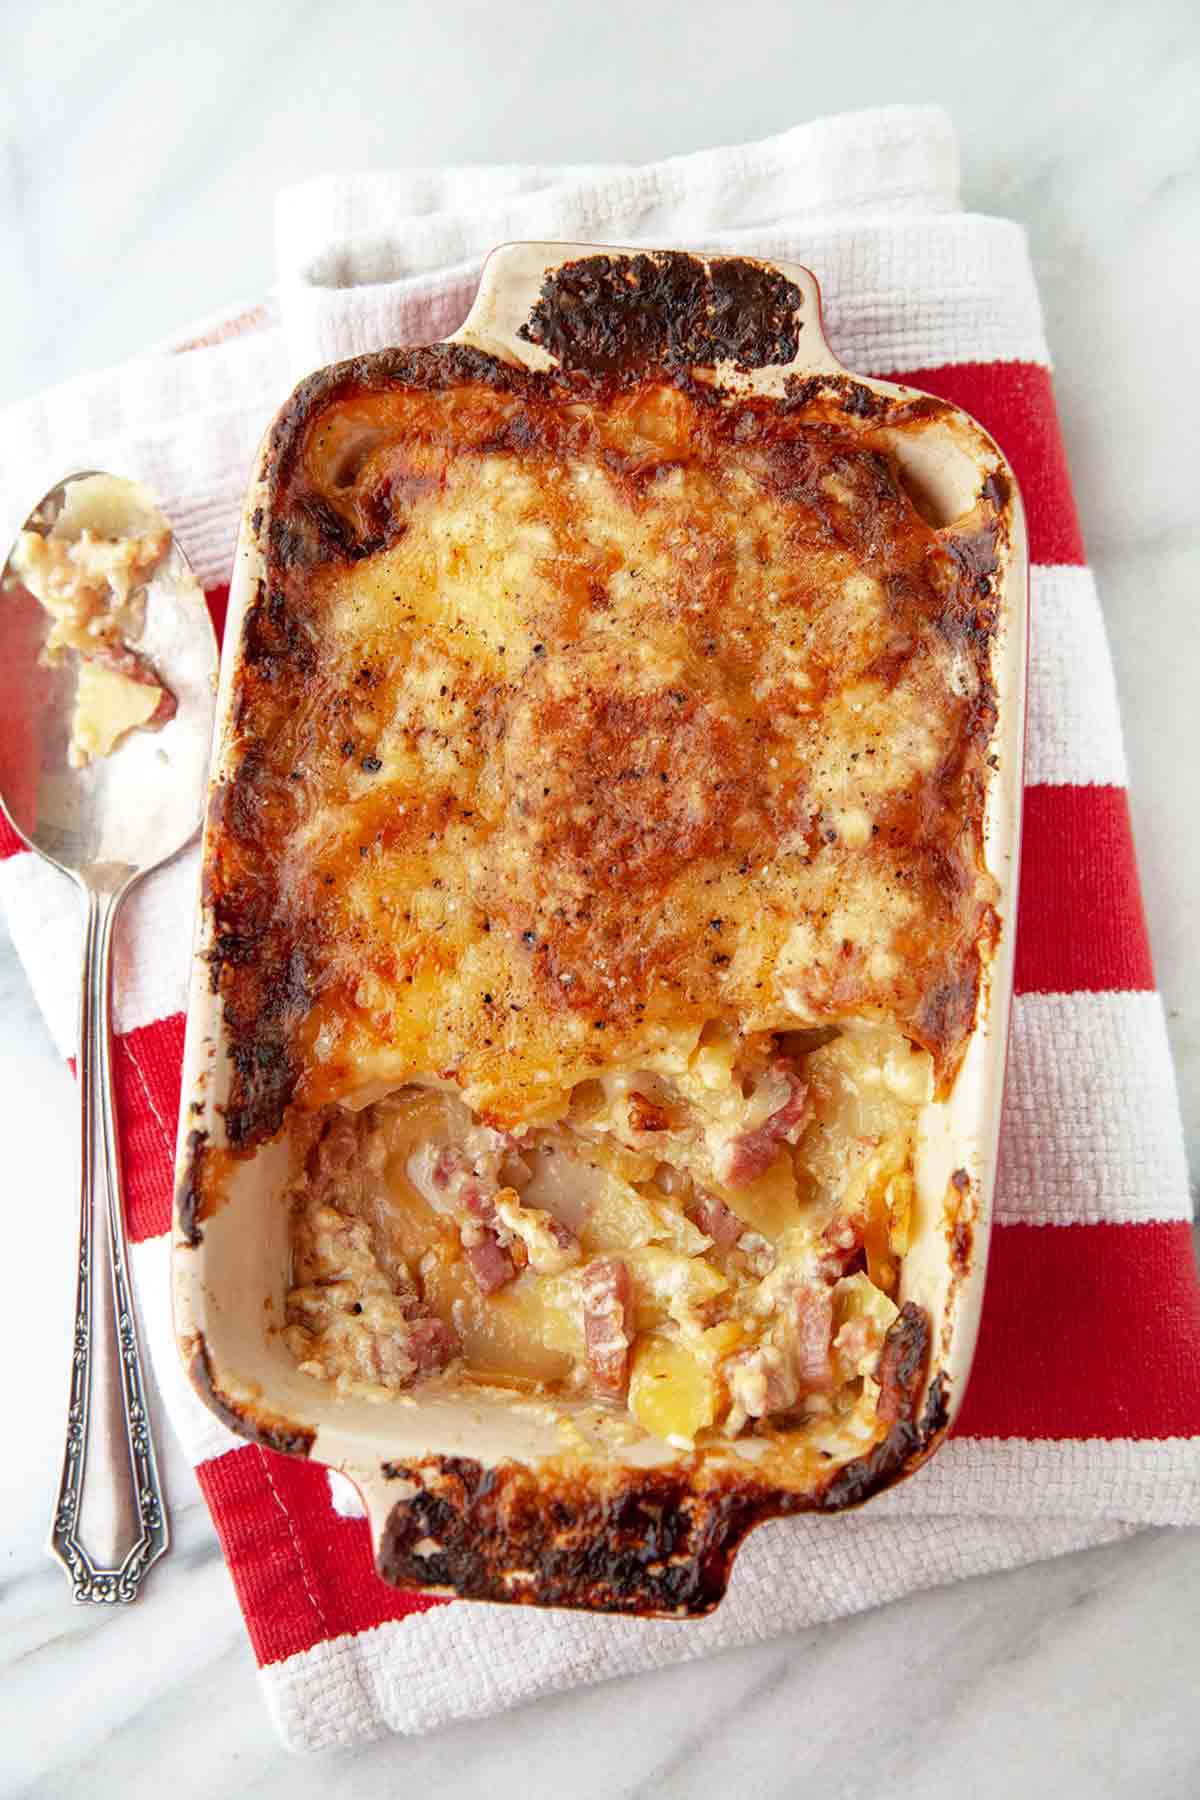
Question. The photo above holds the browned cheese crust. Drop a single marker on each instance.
(577, 711)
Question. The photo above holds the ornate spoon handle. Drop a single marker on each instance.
(109, 1523)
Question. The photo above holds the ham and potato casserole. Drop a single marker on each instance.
(599, 888)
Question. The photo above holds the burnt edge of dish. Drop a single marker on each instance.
(642, 1542)
(267, 1429)
(191, 1205)
(960, 1216)
(615, 313)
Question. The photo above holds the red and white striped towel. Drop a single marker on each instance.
(1083, 1417)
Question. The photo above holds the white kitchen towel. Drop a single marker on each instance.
(1092, 1142)
(870, 199)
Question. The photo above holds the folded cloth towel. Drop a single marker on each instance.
(1083, 1417)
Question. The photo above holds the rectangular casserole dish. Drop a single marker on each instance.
(482, 1488)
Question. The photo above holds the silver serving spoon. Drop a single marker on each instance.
(105, 825)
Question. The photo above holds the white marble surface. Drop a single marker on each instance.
(141, 147)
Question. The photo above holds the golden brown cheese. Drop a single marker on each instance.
(575, 716)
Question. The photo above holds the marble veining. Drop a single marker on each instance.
(140, 199)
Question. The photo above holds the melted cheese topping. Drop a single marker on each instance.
(573, 721)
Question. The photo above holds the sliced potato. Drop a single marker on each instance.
(672, 1393)
(857, 1297)
(623, 1219)
(720, 1341)
(900, 1198)
(667, 1285)
(418, 1117)
(769, 1204)
(532, 1329)
(862, 1318)
(631, 1165)
(881, 1263)
(407, 1222)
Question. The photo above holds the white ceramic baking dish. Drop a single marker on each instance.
(469, 1494)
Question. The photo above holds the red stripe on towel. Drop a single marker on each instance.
(146, 1070)
(218, 606)
(1088, 1331)
(1080, 923)
(302, 1572)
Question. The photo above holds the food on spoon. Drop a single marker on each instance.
(91, 572)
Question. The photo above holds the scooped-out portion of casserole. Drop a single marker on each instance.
(599, 887)
(714, 1240)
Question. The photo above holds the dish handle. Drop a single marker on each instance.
(642, 1542)
(581, 306)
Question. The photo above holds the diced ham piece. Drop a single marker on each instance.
(841, 1242)
(431, 1343)
(478, 1200)
(751, 1153)
(717, 1221)
(165, 711)
(761, 1381)
(446, 1165)
(809, 1331)
(646, 1115)
(608, 1324)
(562, 1234)
(490, 1263)
(775, 1376)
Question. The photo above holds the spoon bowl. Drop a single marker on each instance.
(105, 825)
(127, 812)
